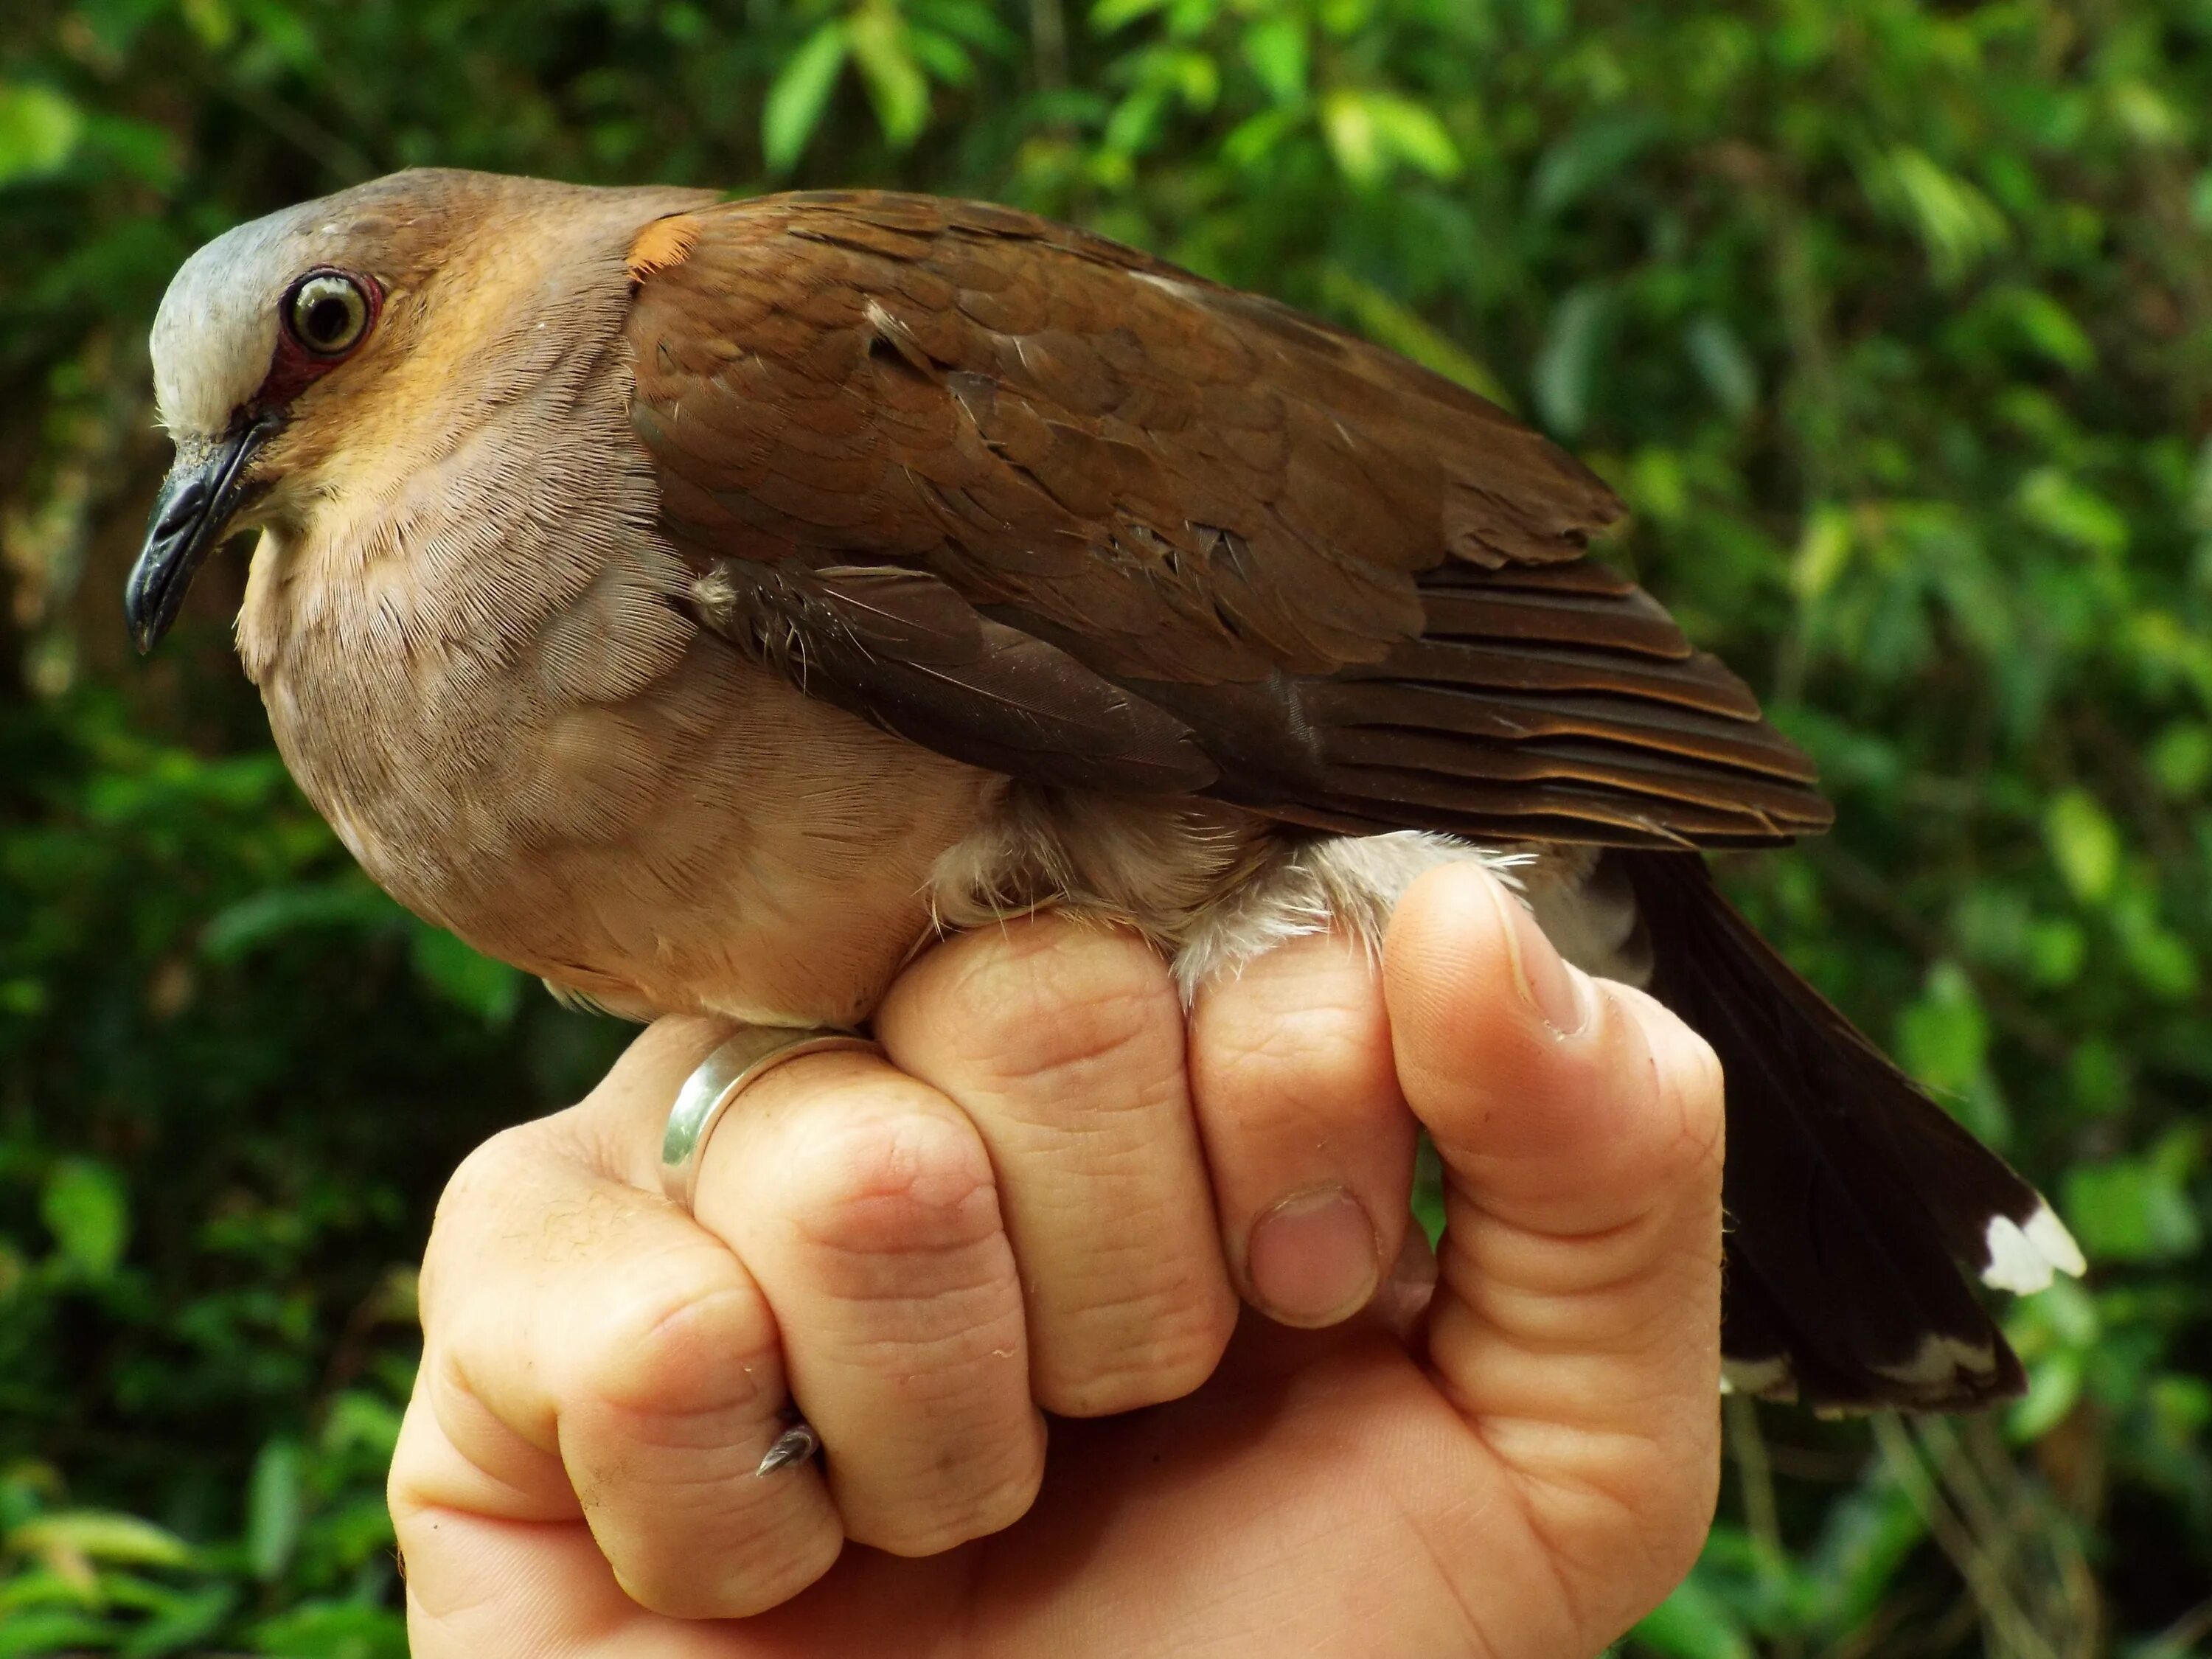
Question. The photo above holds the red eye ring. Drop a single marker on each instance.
(304, 351)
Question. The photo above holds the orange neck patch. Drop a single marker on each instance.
(663, 243)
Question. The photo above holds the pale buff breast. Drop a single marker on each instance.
(498, 700)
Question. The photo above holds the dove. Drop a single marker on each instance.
(701, 605)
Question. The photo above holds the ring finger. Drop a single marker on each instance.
(863, 1203)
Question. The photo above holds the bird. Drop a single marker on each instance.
(701, 604)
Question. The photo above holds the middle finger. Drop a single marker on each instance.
(1063, 1041)
(864, 1203)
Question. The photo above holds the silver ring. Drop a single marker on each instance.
(719, 1078)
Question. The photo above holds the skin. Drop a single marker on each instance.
(1049, 1198)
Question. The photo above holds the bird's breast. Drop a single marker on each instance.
(601, 795)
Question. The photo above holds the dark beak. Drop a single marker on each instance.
(191, 517)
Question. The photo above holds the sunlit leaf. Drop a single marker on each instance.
(102, 1535)
(800, 95)
(2138, 1209)
(39, 129)
(2084, 842)
(275, 1506)
(1694, 1624)
(490, 990)
(86, 1208)
(1276, 49)
(897, 87)
(1383, 320)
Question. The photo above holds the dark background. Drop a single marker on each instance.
(1892, 321)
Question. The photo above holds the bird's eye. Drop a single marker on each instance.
(327, 313)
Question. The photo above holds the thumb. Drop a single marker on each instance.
(1576, 1318)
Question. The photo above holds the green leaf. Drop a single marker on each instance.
(1276, 49)
(1566, 365)
(490, 990)
(1723, 364)
(275, 1509)
(2084, 844)
(1348, 123)
(2069, 510)
(1586, 157)
(1413, 134)
(1958, 226)
(2180, 758)
(800, 95)
(1694, 1623)
(1384, 320)
(897, 87)
(1943, 1036)
(85, 1207)
(102, 1535)
(1110, 14)
(38, 131)
(2138, 1209)
(350, 903)
(2054, 1383)
(45, 1632)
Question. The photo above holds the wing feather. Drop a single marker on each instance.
(1053, 507)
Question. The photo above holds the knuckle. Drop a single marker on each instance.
(678, 1336)
(1059, 997)
(483, 1185)
(1146, 1351)
(890, 1181)
(711, 1568)
(968, 1500)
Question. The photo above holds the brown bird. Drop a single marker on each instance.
(698, 604)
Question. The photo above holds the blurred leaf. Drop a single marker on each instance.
(2180, 758)
(1694, 1624)
(348, 902)
(1371, 133)
(1958, 225)
(38, 130)
(1724, 365)
(1589, 155)
(100, 1535)
(800, 93)
(2072, 512)
(490, 990)
(85, 1207)
(1385, 321)
(2084, 844)
(48, 1631)
(1276, 49)
(2138, 1209)
(896, 84)
(1566, 365)
(276, 1504)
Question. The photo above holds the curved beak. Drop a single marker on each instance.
(191, 517)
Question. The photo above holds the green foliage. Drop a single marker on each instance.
(1890, 319)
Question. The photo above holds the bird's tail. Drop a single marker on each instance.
(1853, 1199)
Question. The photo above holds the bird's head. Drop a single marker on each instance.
(303, 361)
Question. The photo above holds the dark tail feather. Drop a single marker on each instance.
(1853, 1199)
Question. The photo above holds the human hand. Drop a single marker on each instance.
(1018, 1217)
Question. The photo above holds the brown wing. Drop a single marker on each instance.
(1042, 502)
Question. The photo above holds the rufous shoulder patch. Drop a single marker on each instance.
(663, 243)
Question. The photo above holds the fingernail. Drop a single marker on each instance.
(1312, 1258)
(1546, 982)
